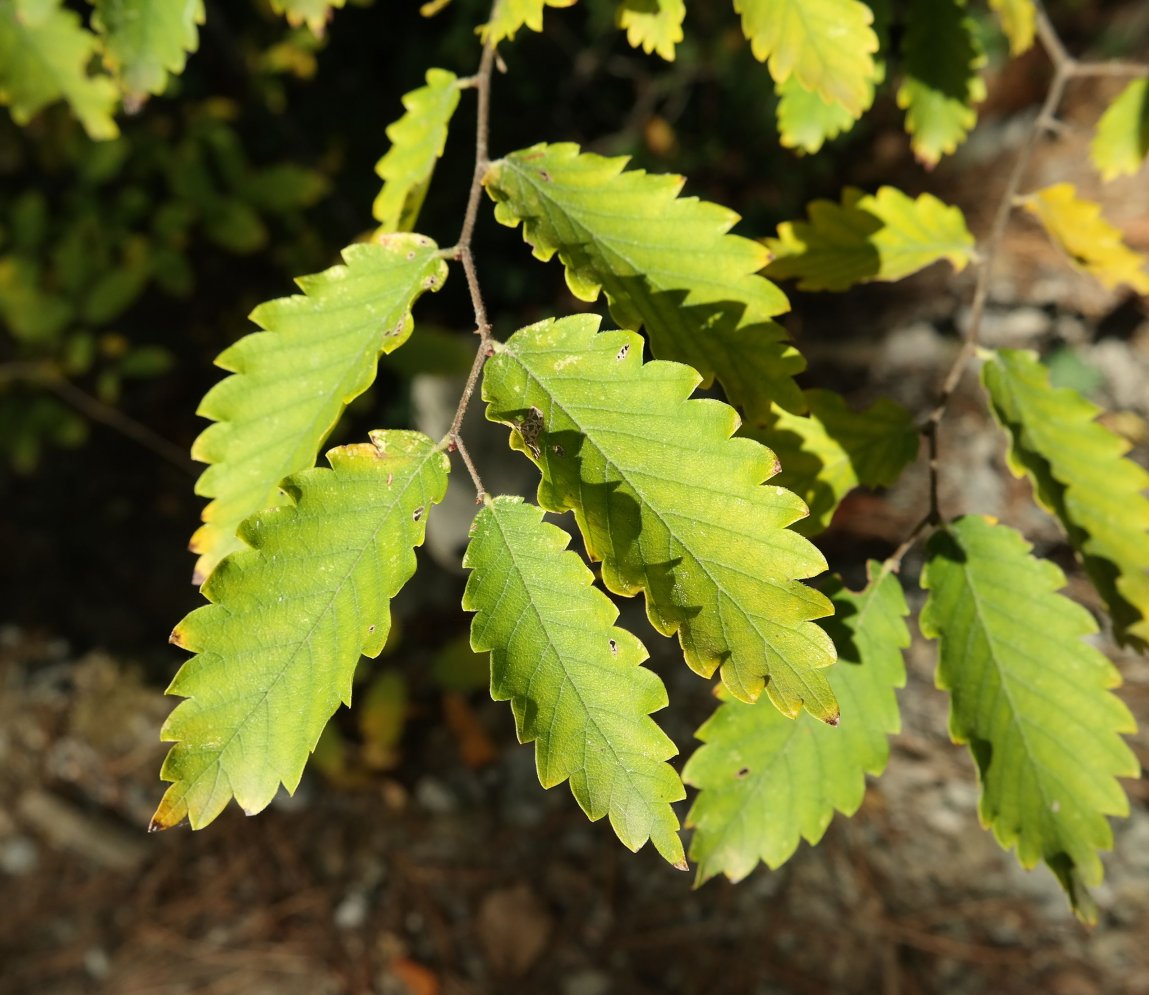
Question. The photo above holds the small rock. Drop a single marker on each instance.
(433, 797)
(351, 913)
(19, 856)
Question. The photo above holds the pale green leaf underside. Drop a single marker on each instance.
(1079, 473)
(942, 59)
(314, 13)
(574, 680)
(666, 263)
(1018, 21)
(292, 381)
(417, 141)
(827, 45)
(1030, 697)
(1092, 244)
(288, 620)
(653, 25)
(671, 504)
(44, 57)
(765, 781)
(144, 40)
(1121, 143)
(511, 15)
(826, 454)
(882, 236)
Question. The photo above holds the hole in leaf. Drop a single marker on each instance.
(622, 352)
(417, 513)
(742, 773)
(614, 647)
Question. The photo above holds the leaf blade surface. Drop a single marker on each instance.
(146, 41)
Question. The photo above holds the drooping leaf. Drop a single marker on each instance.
(1030, 697)
(806, 121)
(826, 454)
(1092, 243)
(765, 781)
(665, 263)
(574, 680)
(1018, 21)
(882, 236)
(144, 41)
(1121, 142)
(289, 618)
(1079, 474)
(314, 13)
(653, 25)
(828, 46)
(44, 57)
(671, 504)
(417, 141)
(292, 381)
(510, 15)
(941, 58)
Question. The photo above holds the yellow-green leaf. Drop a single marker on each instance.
(314, 13)
(417, 141)
(1018, 21)
(44, 56)
(942, 59)
(145, 40)
(1092, 244)
(1080, 474)
(828, 45)
(653, 25)
(510, 15)
(882, 236)
(1121, 143)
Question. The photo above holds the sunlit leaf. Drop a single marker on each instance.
(882, 236)
(1030, 697)
(1018, 21)
(314, 13)
(1092, 244)
(666, 264)
(417, 141)
(289, 618)
(574, 680)
(510, 15)
(1122, 140)
(671, 504)
(144, 40)
(765, 781)
(653, 25)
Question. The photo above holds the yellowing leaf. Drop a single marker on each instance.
(510, 15)
(882, 236)
(828, 45)
(314, 13)
(144, 40)
(942, 58)
(671, 504)
(653, 25)
(1018, 20)
(417, 141)
(826, 454)
(1031, 699)
(574, 679)
(1122, 140)
(766, 782)
(289, 617)
(806, 121)
(1079, 473)
(44, 57)
(1092, 243)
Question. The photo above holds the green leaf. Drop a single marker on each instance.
(671, 504)
(44, 57)
(653, 25)
(665, 263)
(144, 41)
(292, 381)
(289, 618)
(1079, 474)
(510, 15)
(828, 46)
(1029, 696)
(766, 781)
(882, 236)
(806, 121)
(1121, 143)
(828, 453)
(1093, 245)
(314, 13)
(942, 57)
(574, 680)
(1018, 21)
(417, 141)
